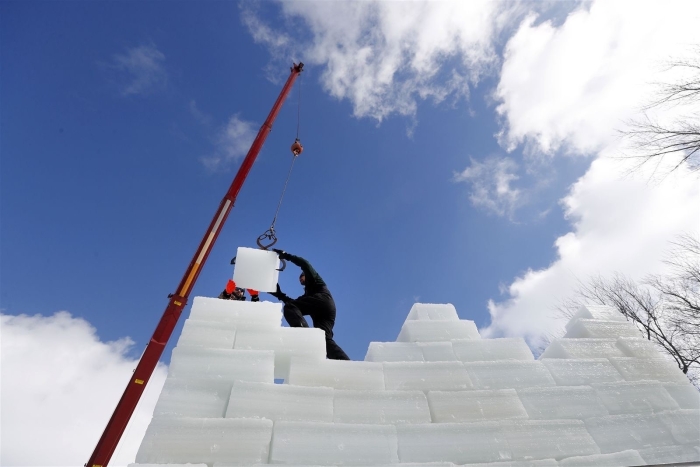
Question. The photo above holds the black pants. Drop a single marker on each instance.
(321, 308)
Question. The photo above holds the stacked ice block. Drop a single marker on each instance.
(439, 396)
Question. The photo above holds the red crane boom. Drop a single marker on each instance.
(127, 404)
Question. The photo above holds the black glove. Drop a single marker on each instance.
(281, 253)
(279, 295)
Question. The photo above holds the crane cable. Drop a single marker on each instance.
(296, 148)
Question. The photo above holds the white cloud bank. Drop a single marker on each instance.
(569, 88)
(60, 384)
(231, 143)
(490, 185)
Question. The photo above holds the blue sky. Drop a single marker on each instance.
(454, 160)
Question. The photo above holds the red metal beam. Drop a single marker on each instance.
(127, 404)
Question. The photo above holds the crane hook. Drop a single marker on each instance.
(297, 148)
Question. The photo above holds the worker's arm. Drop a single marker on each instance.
(311, 275)
(281, 296)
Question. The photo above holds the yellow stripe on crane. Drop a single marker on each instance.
(205, 247)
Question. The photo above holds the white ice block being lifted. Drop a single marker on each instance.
(544, 439)
(256, 269)
(394, 352)
(637, 369)
(508, 375)
(582, 348)
(437, 330)
(425, 376)
(240, 315)
(635, 397)
(597, 312)
(280, 402)
(615, 433)
(433, 311)
(193, 397)
(300, 343)
(227, 365)
(624, 458)
(207, 334)
(576, 372)
(483, 350)
(561, 402)
(597, 329)
(474, 406)
(337, 374)
(205, 440)
(310, 444)
(380, 407)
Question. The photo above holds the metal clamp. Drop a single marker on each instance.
(269, 235)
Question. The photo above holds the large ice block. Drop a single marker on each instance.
(207, 334)
(596, 329)
(437, 351)
(256, 269)
(586, 371)
(544, 439)
(473, 406)
(685, 394)
(483, 350)
(624, 458)
(528, 463)
(638, 347)
(433, 311)
(338, 374)
(241, 315)
(635, 397)
(459, 443)
(300, 343)
(508, 374)
(380, 407)
(597, 312)
(193, 397)
(206, 440)
(614, 433)
(394, 352)
(561, 402)
(167, 465)
(670, 454)
(309, 444)
(228, 365)
(280, 402)
(426, 376)
(684, 426)
(637, 369)
(437, 330)
(582, 348)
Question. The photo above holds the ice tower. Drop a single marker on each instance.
(439, 395)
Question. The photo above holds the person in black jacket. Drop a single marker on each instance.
(316, 302)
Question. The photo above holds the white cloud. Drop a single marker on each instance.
(386, 56)
(490, 185)
(571, 87)
(60, 384)
(232, 142)
(142, 70)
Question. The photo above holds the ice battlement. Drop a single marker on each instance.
(440, 395)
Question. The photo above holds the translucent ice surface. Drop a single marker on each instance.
(394, 352)
(481, 350)
(561, 402)
(425, 376)
(227, 365)
(543, 439)
(256, 269)
(473, 406)
(684, 426)
(624, 458)
(380, 407)
(433, 311)
(685, 394)
(436, 331)
(637, 369)
(437, 351)
(241, 315)
(508, 374)
(597, 312)
(638, 348)
(596, 329)
(207, 334)
(193, 397)
(570, 372)
(300, 343)
(670, 454)
(635, 397)
(333, 444)
(338, 374)
(582, 348)
(205, 440)
(280, 402)
(615, 433)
